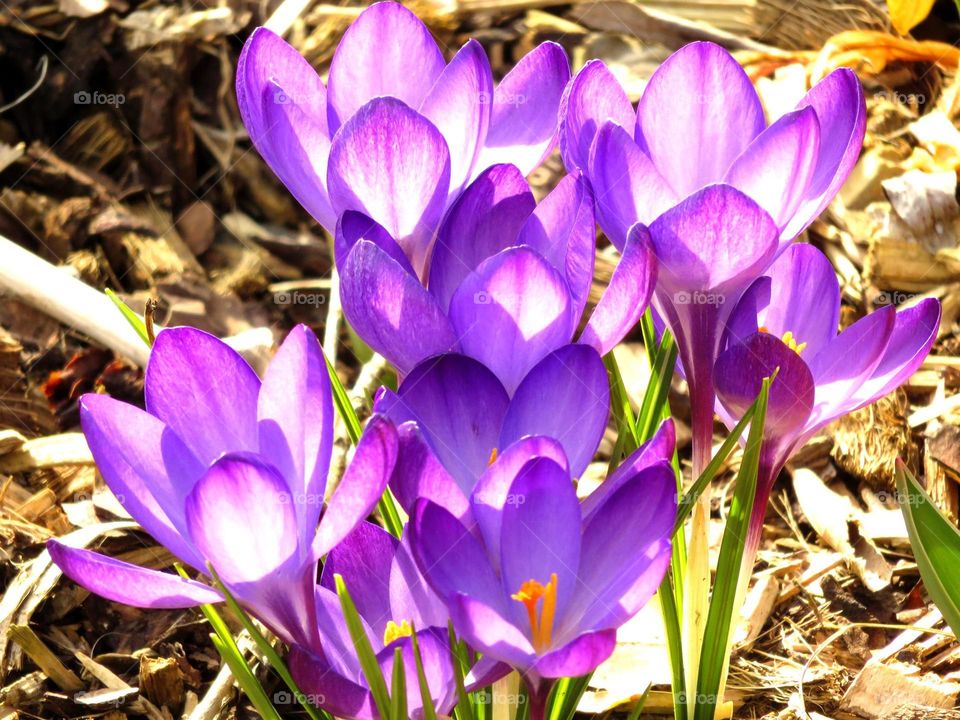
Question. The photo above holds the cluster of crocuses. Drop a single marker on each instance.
(478, 295)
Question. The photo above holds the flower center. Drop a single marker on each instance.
(541, 623)
(395, 632)
(493, 457)
(789, 340)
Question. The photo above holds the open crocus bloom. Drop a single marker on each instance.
(392, 600)
(397, 132)
(788, 320)
(226, 470)
(544, 582)
(700, 122)
(454, 419)
(508, 279)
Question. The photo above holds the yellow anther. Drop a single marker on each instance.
(788, 339)
(493, 457)
(791, 342)
(395, 632)
(541, 625)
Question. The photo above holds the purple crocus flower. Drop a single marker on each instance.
(508, 279)
(544, 581)
(699, 123)
(392, 600)
(722, 193)
(224, 469)
(454, 418)
(397, 132)
(788, 320)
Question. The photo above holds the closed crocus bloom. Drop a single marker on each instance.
(456, 422)
(393, 601)
(226, 470)
(787, 322)
(508, 279)
(700, 122)
(543, 582)
(397, 131)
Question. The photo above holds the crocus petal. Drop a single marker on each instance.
(626, 184)
(410, 595)
(459, 105)
(451, 559)
(392, 164)
(523, 126)
(462, 428)
(714, 239)
(842, 114)
(420, 474)
(485, 219)
(240, 515)
(512, 311)
(283, 104)
(361, 486)
(146, 466)
(129, 584)
(804, 298)
(626, 549)
(336, 644)
(390, 310)
(492, 491)
(578, 657)
(204, 391)
(592, 98)
(295, 415)
(540, 534)
(739, 374)
(627, 295)
(657, 449)
(364, 558)
(846, 362)
(341, 696)
(562, 229)
(487, 630)
(694, 141)
(777, 166)
(353, 226)
(914, 332)
(572, 383)
(386, 51)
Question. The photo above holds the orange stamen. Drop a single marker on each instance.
(541, 625)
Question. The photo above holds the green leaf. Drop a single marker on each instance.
(225, 644)
(365, 654)
(565, 696)
(655, 406)
(245, 677)
(136, 322)
(387, 506)
(426, 698)
(639, 704)
(714, 653)
(398, 687)
(267, 648)
(461, 665)
(936, 546)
